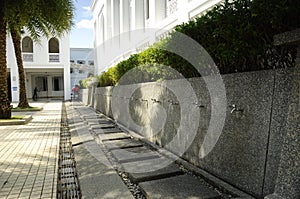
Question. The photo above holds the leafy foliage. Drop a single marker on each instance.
(84, 83)
(40, 17)
(237, 34)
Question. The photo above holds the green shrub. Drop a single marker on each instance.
(238, 35)
(84, 82)
(108, 78)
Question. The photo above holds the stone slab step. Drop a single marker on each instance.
(92, 123)
(113, 136)
(151, 169)
(110, 130)
(178, 187)
(96, 176)
(102, 126)
(92, 120)
(89, 117)
(122, 144)
(134, 154)
(99, 121)
(103, 121)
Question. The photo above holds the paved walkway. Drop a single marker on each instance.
(28, 155)
(97, 177)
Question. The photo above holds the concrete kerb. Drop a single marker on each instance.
(27, 110)
(25, 120)
(26, 113)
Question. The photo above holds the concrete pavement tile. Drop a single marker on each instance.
(178, 187)
(26, 190)
(6, 189)
(18, 185)
(15, 191)
(113, 136)
(151, 169)
(103, 126)
(98, 180)
(12, 196)
(47, 196)
(3, 194)
(110, 130)
(35, 195)
(24, 196)
(134, 154)
(122, 144)
(47, 190)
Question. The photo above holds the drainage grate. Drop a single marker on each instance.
(68, 184)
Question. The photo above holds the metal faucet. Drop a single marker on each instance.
(155, 100)
(173, 102)
(199, 105)
(235, 108)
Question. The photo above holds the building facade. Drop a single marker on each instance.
(46, 65)
(123, 27)
(82, 64)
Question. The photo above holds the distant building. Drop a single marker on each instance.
(46, 66)
(116, 22)
(82, 64)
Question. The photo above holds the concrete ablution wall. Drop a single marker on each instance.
(246, 154)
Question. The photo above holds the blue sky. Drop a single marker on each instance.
(82, 33)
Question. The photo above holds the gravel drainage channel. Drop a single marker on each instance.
(68, 184)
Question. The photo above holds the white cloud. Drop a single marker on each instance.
(85, 23)
(87, 13)
(86, 8)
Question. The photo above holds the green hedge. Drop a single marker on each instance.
(84, 82)
(238, 36)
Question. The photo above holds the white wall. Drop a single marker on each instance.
(132, 17)
(40, 65)
(81, 71)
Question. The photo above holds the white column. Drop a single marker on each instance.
(150, 22)
(115, 10)
(108, 19)
(124, 16)
(49, 86)
(132, 14)
(160, 10)
(67, 83)
(139, 14)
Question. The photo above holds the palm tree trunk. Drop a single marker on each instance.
(16, 37)
(5, 109)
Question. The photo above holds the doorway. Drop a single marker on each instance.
(41, 82)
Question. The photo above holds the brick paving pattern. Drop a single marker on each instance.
(28, 155)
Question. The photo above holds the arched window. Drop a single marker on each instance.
(27, 45)
(53, 45)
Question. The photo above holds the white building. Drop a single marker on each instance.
(46, 65)
(82, 64)
(123, 27)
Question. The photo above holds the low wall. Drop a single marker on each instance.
(246, 154)
(84, 96)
